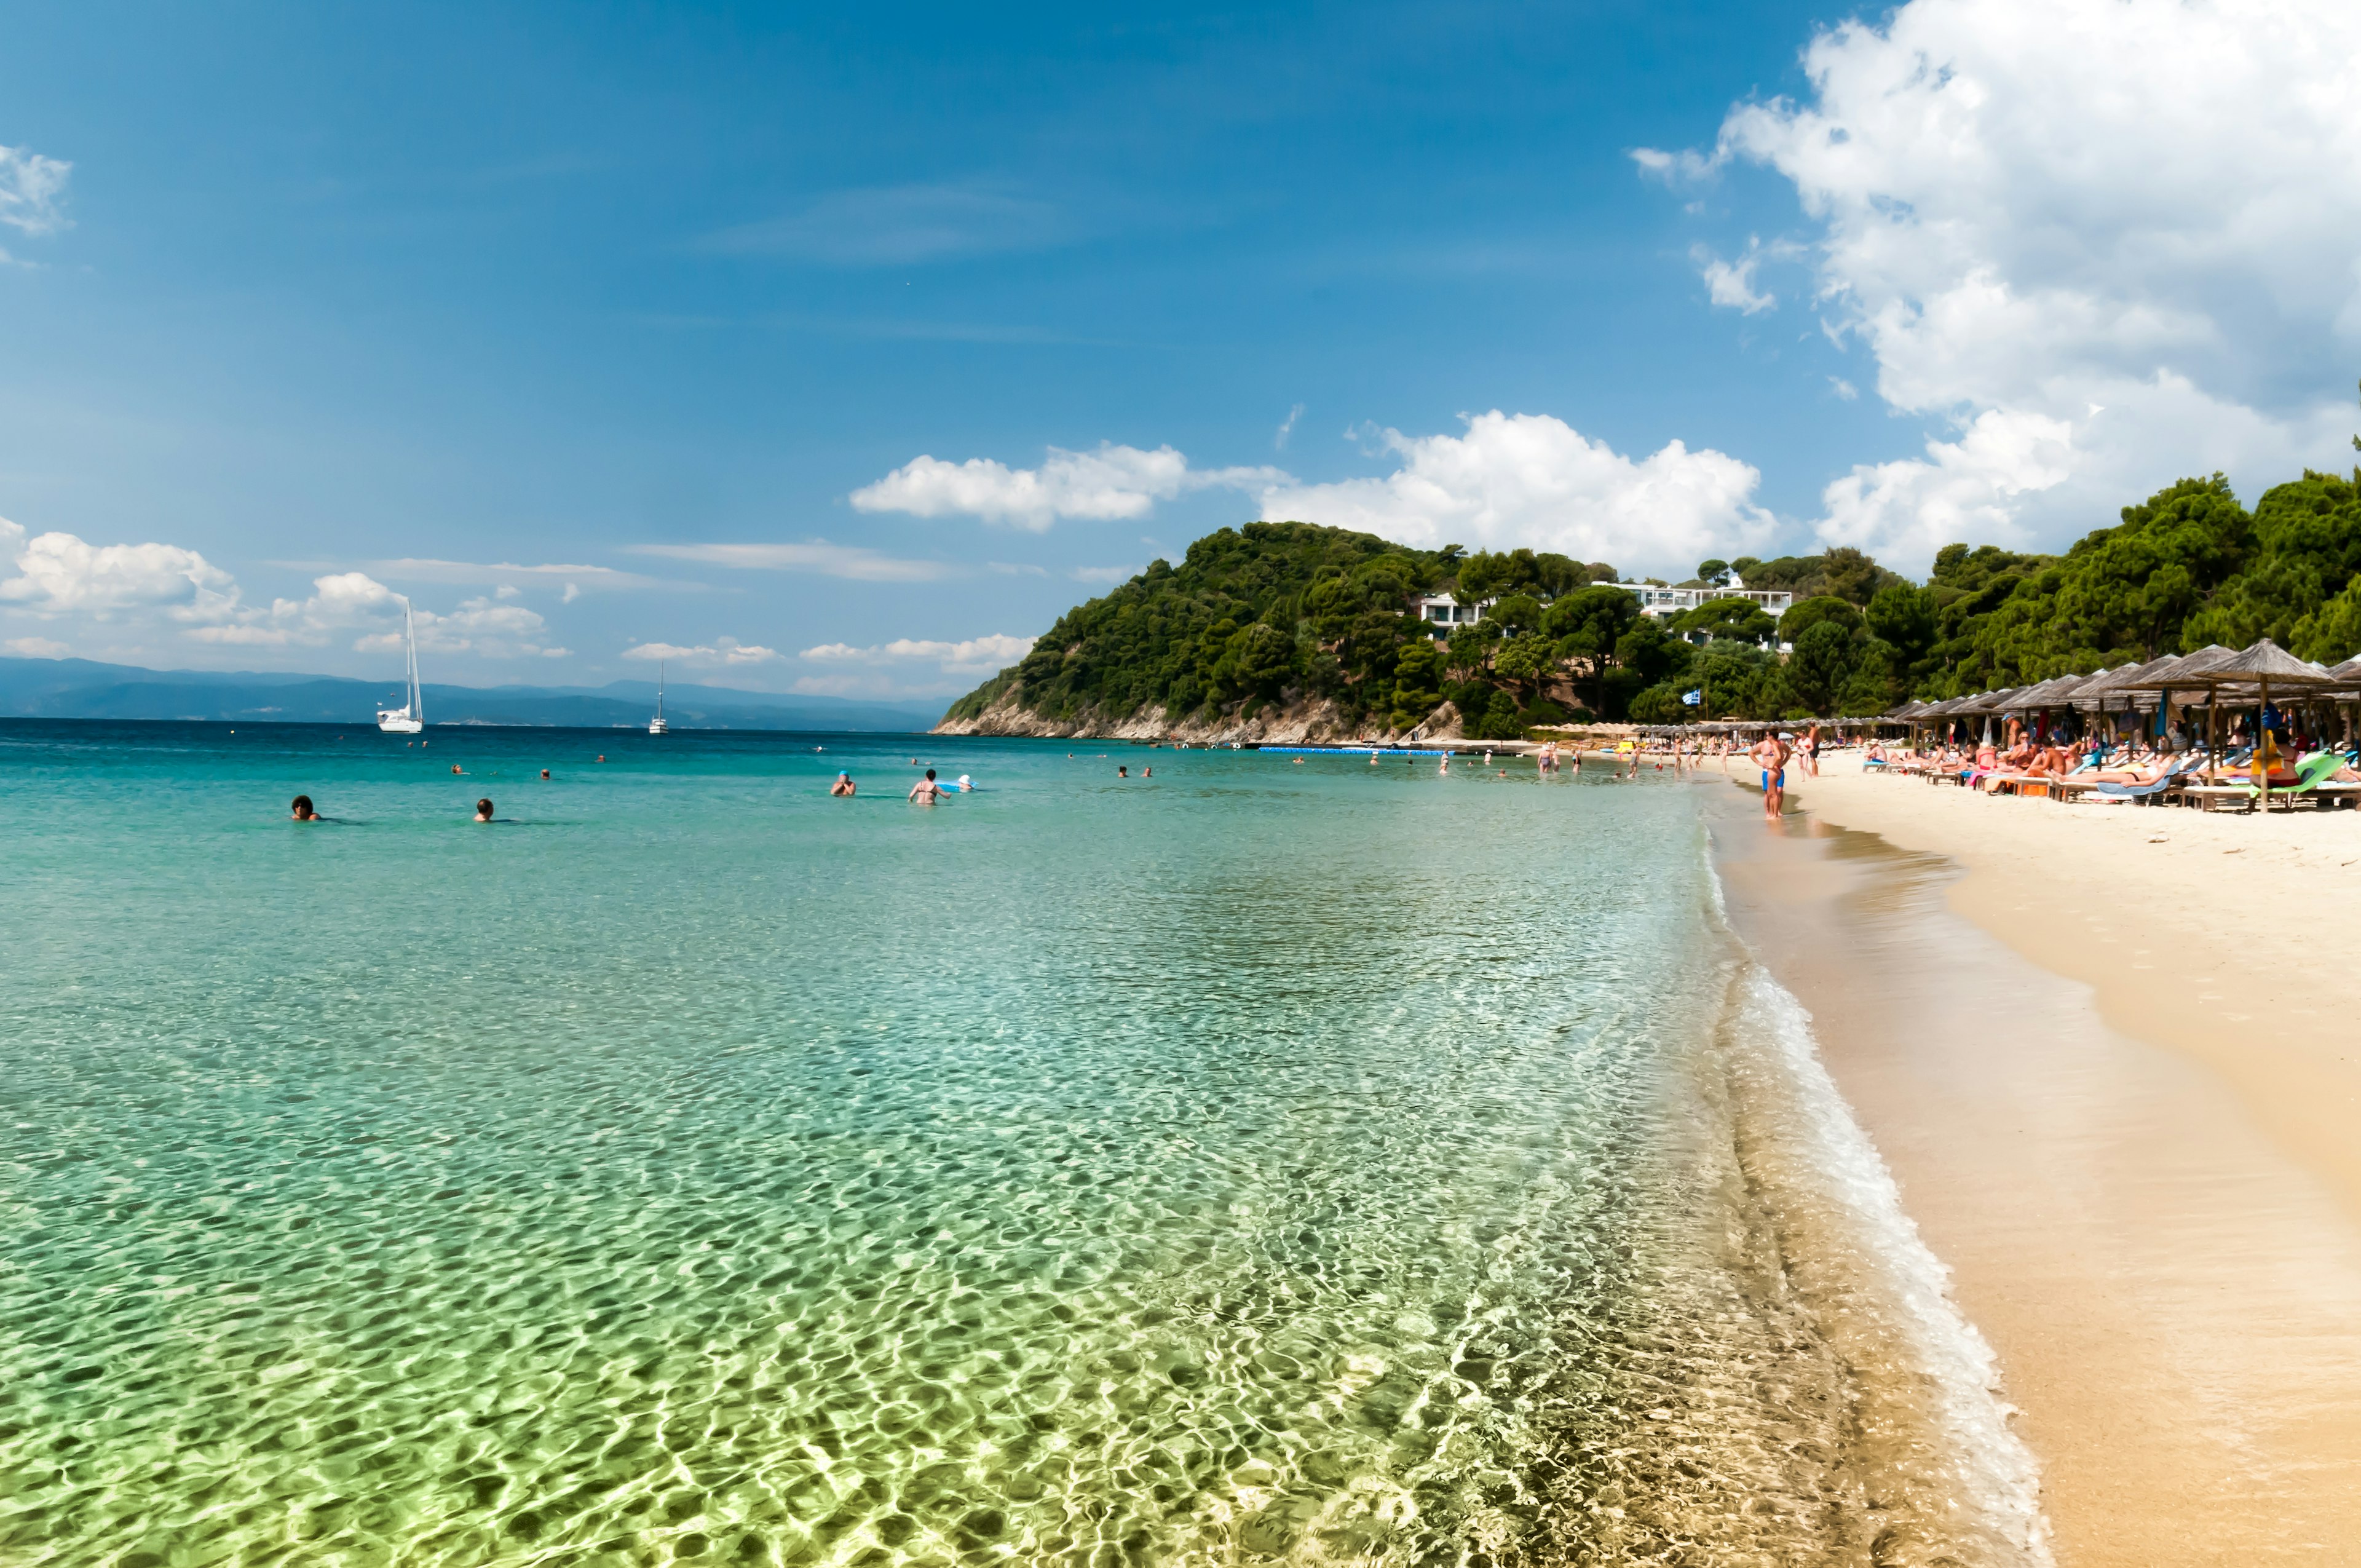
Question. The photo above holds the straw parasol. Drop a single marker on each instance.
(2262, 666)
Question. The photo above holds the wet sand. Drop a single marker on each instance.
(2165, 1255)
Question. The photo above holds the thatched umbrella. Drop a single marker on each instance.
(2186, 672)
(2263, 665)
(2213, 668)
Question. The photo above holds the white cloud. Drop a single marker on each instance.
(2030, 207)
(508, 573)
(1114, 481)
(724, 652)
(1843, 389)
(1287, 428)
(1673, 168)
(1109, 575)
(1530, 479)
(1731, 283)
(36, 648)
(30, 187)
(60, 574)
(816, 556)
(165, 588)
(976, 655)
(908, 666)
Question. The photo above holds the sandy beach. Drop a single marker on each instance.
(2107, 1053)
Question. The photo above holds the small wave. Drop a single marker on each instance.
(1936, 1458)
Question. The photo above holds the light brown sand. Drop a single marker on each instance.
(2140, 1151)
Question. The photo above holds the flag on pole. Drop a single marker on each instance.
(1695, 697)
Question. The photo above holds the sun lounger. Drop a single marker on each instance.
(2140, 794)
(2311, 776)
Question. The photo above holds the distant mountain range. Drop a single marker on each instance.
(78, 688)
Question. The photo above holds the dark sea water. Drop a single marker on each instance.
(1256, 1162)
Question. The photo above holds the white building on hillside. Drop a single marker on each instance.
(1442, 612)
(1774, 602)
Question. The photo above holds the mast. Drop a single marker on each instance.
(659, 688)
(417, 698)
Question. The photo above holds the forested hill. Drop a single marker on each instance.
(1315, 621)
(1310, 625)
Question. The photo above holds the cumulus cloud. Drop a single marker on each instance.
(31, 187)
(1731, 284)
(1114, 482)
(1530, 479)
(60, 574)
(722, 652)
(151, 586)
(908, 666)
(2108, 242)
(816, 556)
(488, 627)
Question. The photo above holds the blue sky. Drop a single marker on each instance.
(340, 303)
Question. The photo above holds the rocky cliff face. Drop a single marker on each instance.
(1299, 723)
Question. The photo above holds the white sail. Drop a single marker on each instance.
(657, 726)
(410, 716)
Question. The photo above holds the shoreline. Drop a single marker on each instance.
(2140, 1193)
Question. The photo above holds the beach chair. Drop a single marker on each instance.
(2140, 794)
(2310, 775)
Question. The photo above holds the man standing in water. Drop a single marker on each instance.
(1771, 753)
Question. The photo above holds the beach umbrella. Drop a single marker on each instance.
(2265, 665)
(2186, 672)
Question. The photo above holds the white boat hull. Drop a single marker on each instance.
(399, 722)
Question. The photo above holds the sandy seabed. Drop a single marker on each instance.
(2113, 1055)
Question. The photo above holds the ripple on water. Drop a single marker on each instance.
(1325, 1169)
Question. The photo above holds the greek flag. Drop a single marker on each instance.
(1695, 697)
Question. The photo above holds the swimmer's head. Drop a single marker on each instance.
(545, 773)
(303, 808)
(484, 809)
(931, 773)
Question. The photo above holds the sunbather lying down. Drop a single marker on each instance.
(2137, 775)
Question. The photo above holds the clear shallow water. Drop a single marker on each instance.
(1261, 1161)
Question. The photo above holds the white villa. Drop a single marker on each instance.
(1442, 612)
(1774, 602)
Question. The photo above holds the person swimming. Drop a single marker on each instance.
(926, 792)
(844, 786)
(1121, 771)
(302, 810)
(484, 809)
(545, 773)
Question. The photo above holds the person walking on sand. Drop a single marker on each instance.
(1812, 753)
(1771, 753)
(926, 792)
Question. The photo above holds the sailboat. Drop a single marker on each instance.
(410, 717)
(657, 726)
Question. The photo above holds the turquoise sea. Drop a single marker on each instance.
(1258, 1161)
